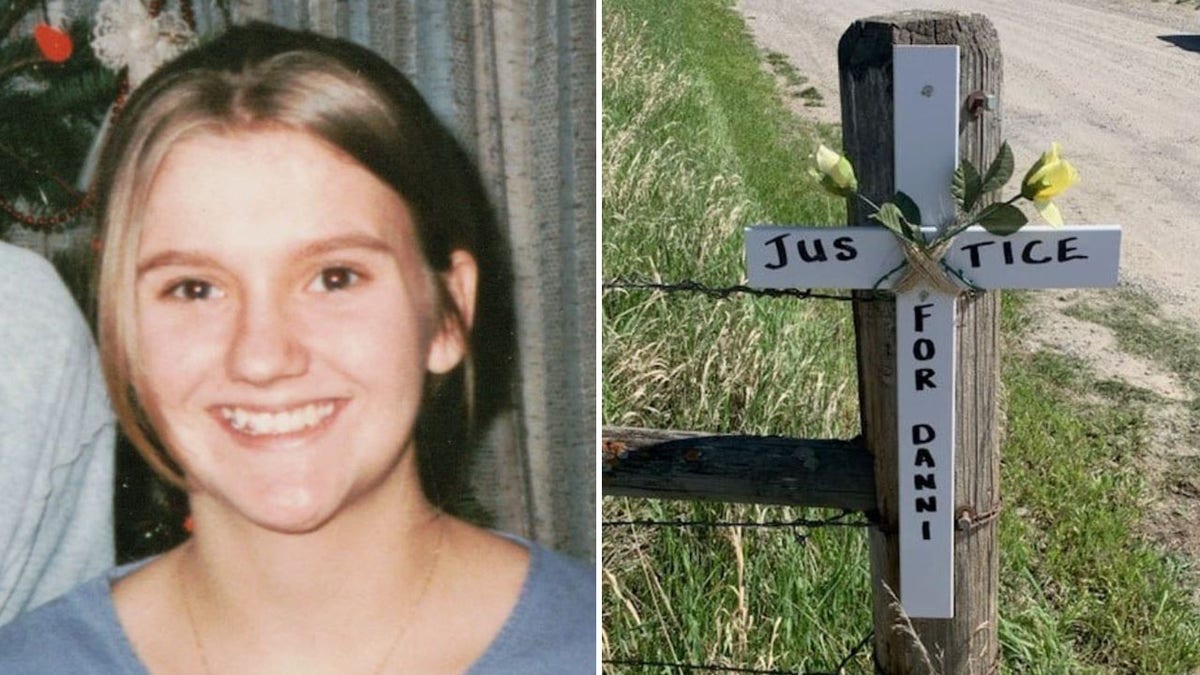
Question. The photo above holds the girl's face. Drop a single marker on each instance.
(285, 324)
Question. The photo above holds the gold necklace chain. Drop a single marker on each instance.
(187, 605)
(426, 582)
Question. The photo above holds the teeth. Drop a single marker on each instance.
(289, 421)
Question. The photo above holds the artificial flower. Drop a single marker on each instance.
(1049, 177)
(835, 172)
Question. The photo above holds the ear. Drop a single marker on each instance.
(450, 343)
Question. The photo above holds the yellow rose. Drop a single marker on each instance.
(835, 172)
(1049, 177)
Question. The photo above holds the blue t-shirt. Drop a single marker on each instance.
(552, 628)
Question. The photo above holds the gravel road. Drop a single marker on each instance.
(1117, 82)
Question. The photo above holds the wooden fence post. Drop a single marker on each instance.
(969, 642)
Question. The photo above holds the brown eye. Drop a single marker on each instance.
(335, 279)
(194, 289)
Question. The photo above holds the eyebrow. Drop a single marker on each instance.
(312, 249)
(169, 258)
(343, 242)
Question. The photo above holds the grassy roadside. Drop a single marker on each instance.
(697, 143)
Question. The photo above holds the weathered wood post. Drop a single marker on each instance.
(967, 643)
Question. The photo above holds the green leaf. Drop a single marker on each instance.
(889, 216)
(966, 186)
(912, 213)
(1000, 171)
(1003, 220)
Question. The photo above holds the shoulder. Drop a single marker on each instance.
(553, 627)
(76, 633)
(38, 309)
(31, 281)
(63, 369)
(559, 581)
(15, 259)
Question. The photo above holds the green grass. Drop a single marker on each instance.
(1080, 587)
(811, 96)
(690, 156)
(697, 144)
(792, 82)
(784, 69)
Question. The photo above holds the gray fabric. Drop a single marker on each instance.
(551, 630)
(56, 439)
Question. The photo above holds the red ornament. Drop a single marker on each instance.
(54, 43)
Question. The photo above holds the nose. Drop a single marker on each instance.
(267, 345)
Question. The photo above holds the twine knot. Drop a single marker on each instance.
(924, 265)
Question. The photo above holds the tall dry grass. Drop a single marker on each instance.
(674, 205)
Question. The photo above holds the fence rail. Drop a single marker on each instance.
(741, 469)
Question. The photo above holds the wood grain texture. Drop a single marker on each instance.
(739, 469)
(968, 643)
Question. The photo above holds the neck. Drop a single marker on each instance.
(238, 559)
(301, 568)
(347, 585)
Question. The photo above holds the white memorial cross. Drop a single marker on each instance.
(926, 155)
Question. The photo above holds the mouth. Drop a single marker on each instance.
(262, 423)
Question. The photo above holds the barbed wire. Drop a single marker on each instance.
(692, 286)
(687, 667)
(832, 521)
(839, 520)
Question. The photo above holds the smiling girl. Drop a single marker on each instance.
(295, 253)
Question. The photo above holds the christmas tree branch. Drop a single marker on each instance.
(7, 69)
(60, 182)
